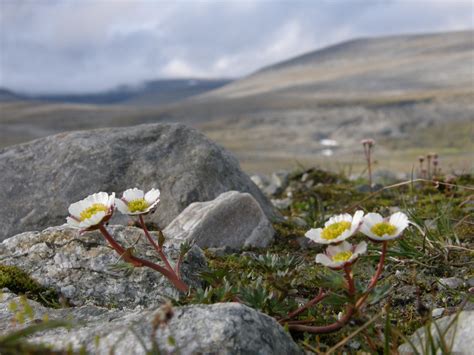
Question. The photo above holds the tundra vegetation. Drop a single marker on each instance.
(371, 305)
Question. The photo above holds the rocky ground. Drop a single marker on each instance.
(250, 264)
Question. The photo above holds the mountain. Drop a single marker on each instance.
(411, 93)
(150, 93)
(8, 95)
(387, 65)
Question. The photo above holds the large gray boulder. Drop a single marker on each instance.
(83, 268)
(234, 220)
(455, 331)
(225, 328)
(41, 178)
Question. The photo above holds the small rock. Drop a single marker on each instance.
(437, 312)
(282, 204)
(223, 328)
(451, 282)
(261, 181)
(233, 219)
(280, 179)
(470, 282)
(456, 332)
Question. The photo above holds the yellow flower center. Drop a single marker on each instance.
(383, 228)
(342, 256)
(92, 210)
(335, 230)
(138, 205)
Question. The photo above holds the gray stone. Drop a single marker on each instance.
(261, 181)
(458, 332)
(233, 220)
(280, 179)
(282, 204)
(451, 282)
(225, 328)
(470, 282)
(437, 312)
(41, 178)
(84, 269)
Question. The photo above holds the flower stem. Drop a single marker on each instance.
(158, 248)
(350, 280)
(139, 262)
(375, 278)
(325, 328)
(319, 297)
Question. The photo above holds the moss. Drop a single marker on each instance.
(19, 282)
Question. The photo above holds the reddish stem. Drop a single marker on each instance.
(139, 262)
(325, 328)
(156, 246)
(351, 309)
(375, 278)
(319, 297)
(177, 269)
(350, 280)
(116, 246)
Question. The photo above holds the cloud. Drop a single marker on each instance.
(92, 45)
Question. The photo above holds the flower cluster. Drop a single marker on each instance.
(95, 210)
(98, 208)
(338, 228)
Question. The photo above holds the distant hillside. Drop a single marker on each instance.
(151, 93)
(411, 93)
(7, 95)
(391, 65)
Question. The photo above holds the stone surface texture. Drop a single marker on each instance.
(233, 220)
(458, 332)
(85, 270)
(41, 178)
(225, 328)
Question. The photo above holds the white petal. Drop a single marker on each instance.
(72, 222)
(335, 249)
(94, 220)
(343, 236)
(111, 200)
(100, 197)
(152, 196)
(133, 194)
(373, 218)
(314, 234)
(122, 206)
(324, 259)
(339, 218)
(399, 220)
(361, 248)
(357, 220)
(75, 209)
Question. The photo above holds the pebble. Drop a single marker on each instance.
(451, 282)
(437, 312)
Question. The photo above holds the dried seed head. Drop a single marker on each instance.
(421, 158)
(163, 316)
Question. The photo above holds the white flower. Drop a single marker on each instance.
(91, 211)
(378, 228)
(135, 201)
(337, 229)
(337, 256)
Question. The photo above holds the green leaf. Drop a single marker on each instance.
(379, 293)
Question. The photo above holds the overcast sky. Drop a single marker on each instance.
(92, 45)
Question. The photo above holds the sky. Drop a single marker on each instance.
(75, 46)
